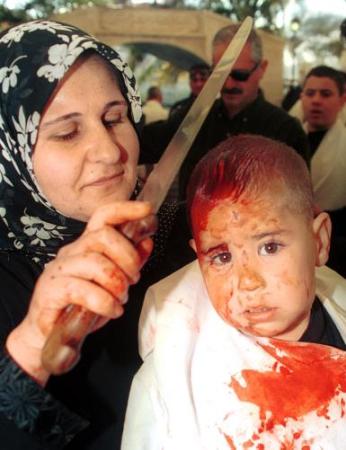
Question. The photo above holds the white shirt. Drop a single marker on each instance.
(154, 111)
(190, 392)
(328, 169)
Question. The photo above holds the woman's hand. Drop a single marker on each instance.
(94, 272)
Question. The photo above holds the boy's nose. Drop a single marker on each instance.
(250, 279)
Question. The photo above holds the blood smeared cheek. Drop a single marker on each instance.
(224, 300)
(218, 286)
(298, 284)
(235, 316)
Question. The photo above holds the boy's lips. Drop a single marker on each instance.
(259, 313)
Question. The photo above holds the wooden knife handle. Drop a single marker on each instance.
(62, 349)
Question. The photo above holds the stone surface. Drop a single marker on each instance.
(185, 32)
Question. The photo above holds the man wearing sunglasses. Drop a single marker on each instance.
(242, 108)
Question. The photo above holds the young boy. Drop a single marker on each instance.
(323, 98)
(245, 349)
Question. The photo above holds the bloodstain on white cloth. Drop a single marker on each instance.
(307, 384)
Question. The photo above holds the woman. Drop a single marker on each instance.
(69, 122)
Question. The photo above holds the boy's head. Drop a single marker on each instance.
(257, 236)
(322, 97)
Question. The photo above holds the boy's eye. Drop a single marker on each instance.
(221, 259)
(269, 248)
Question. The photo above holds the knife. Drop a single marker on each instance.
(62, 349)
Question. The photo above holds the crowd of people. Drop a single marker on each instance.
(242, 108)
(256, 319)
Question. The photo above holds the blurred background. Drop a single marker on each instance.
(168, 36)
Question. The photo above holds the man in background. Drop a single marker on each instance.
(153, 110)
(198, 75)
(322, 98)
(297, 109)
(241, 109)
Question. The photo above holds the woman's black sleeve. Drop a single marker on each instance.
(30, 418)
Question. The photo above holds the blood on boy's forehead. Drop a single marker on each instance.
(258, 209)
(224, 210)
(245, 167)
(228, 180)
(217, 189)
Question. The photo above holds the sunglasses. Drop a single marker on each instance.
(243, 74)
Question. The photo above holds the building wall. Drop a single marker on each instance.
(192, 31)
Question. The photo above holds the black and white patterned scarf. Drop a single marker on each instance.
(34, 57)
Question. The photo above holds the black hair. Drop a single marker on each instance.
(328, 72)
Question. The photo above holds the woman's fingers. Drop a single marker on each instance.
(94, 267)
(95, 271)
(65, 290)
(144, 249)
(101, 236)
(118, 213)
(112, 244)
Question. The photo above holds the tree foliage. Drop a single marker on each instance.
(319, 36)
(11, 16)
(263, 11)
(44, 8)
(41, 9)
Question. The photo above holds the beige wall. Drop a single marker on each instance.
(190, 30)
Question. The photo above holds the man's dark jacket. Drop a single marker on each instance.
(260, 117)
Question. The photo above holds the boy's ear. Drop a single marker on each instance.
(192, 244)
(322, 227)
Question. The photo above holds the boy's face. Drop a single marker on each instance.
(258, 259)
(321, 102)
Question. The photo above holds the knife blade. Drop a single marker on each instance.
(62, 349)
(161, 178)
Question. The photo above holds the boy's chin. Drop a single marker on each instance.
(259, 331)
(264, 330)
(280, 335)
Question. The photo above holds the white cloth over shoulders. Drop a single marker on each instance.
(206, 386)
(328, 169)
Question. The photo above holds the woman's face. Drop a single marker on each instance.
(87, 148)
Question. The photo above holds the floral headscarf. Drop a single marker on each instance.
(34, 57)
